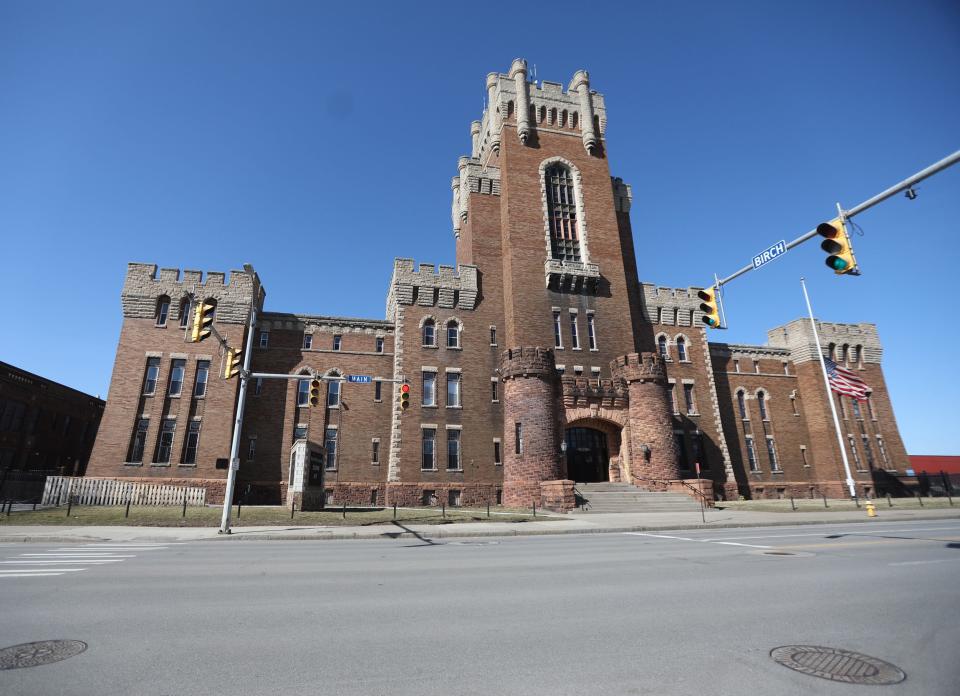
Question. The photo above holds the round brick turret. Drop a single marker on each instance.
(653, 448)
(529, 393)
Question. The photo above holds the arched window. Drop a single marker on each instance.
(742, 405)
(163, 309)
(509, 109)
(681, 349)
(845, 354)
(762, 404)
(858, 355)
(429, 333)
(832, 351)
(184, 312)
(662, 347)
(333, 389)
(453, 334)
(553, 116)
(543, 114)
(562, 211)
(563, 118)
(574, 120)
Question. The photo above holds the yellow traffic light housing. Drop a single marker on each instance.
(709, 307)
(202, 320)
(404, 396)
(837, 245)
(315, 392)
(233, 364)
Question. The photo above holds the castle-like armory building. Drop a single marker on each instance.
(538, 361)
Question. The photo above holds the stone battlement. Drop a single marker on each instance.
(527, 361)
(473, 178)
(429, 285)
(797, 337)
(142, 287)
(674, 306)
(639, 367)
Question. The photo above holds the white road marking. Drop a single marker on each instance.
(111, 548)
(935, 560)
(31, 575)
(65, 560)
(145, 543)
(4, 571)
(658, 536)
(734, 543)
(703, 541)
(858, 530)
(76, 555)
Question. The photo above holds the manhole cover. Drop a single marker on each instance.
(778, 553)
(837, 665)
(43, 652)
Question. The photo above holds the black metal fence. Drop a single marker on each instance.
(23, 486)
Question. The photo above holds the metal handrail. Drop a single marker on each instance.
(700, 493)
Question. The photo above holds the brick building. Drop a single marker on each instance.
(539, 360)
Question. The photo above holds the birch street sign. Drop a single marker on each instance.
(770, 254)
(360, 379)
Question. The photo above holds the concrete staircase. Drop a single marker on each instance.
(624, 497)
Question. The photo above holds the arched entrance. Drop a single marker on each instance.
(588, 459)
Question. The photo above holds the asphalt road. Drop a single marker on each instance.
(666, 613)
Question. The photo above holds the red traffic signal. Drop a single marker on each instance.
(404, 396)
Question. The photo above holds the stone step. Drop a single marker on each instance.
(624, 497)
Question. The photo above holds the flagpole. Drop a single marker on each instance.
(826, 381)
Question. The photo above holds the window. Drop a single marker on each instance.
(518, 438)
(453, 334)
(742, 405)
(139, 441)
(843, 413)
(803, 456)
(303, 392)
(428, 437)
(307, 341)
(832, 351)
(453, 498)
(203, 373)
(163, 309)
(857, 413)
(378, 390)
(330, 447)
(574, 336)
(258, 386)
(756, 366)
(453, 450)
(562, 214)
(333, 393)
(752, 455)
(379, 344)
(786, 368)
(165, 443)
(497, 456)
(793, 403)
(300, 432)
(672, 396)
(873, 416)
(854, 453)
(375, 450)
(176, 377)
(185, 312)
(681, 449)
(662, 347)
(762, 405)
(191, 443)
(591, 332)
(150, 380)
(696, 443)
(561, 369)
(688, 398)
(493, 335)
(867, 450)
(883, 452)
(264, 339)
(429, 388)
(772, 453)
(557, 340)
(494, 389)
(736, 365)
(453, 390)
(429, 333)
(337, 341)
(681, 349)
(251, 449)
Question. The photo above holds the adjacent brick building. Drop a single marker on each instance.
(539, 360)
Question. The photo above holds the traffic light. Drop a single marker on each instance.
(315, 392)
(202, 319)
(404, 396)
(709, 307)
(231, 367)
(837, 245)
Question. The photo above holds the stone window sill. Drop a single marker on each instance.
(456, 407)
(133, 463)
(455, 471)
(454, 348)
(187, 466)
(432, 347)
(430, 470)
(164, 465)
(428, 406)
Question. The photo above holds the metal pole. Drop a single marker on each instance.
(238, 423)
(826, 384)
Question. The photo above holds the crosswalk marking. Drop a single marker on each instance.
(702, 541)
(77, 555)
(52, 562)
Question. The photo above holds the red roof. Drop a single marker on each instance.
(934, 464)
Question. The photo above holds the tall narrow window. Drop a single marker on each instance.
(493, 335)
(429, 388)
(562, 212)
(139, 441)
(337, 341)
(378, 390)
(518, 438)
(751, 455)
(428, 441)
(264, 339)
(496, 453)
(185, 307)
(494, 390)
(150, 378)
(574, 336)
(843, 413)
(429, 333)
(379, 344)
(873, 416)
(681, 349)
(591, 332)
(191, 444)
(883, 452)
(333, 393)
(251, 449)
(307, 341)
(176, 377)
(867, 450)
(762, 405)
(557, 340)
(857, 413)
(165, 443)
(853, 451)
(203, 373)
(662, 347)
(453, 450)
(688, 398)
(742, 405)
(303, 392)
(772, 453)
(671, 394)
(453, 390)
(453, 334)
(258, 386)
(736, 365)
(375, 451)
(330, 447)
(163, 309)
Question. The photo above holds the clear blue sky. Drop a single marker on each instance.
(317, 141)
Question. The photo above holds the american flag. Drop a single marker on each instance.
(845, 382)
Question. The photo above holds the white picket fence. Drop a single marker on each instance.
(101, 491)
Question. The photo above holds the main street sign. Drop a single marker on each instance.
(360, 379)
(770, 254)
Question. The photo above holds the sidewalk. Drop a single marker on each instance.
(553, 524)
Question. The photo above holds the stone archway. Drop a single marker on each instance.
(595, 448)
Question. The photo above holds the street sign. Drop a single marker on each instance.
(770, 254)
(360, 379)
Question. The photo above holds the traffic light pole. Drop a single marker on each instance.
(904, 185)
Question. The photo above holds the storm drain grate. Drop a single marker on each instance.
(42, 652)
(837, 665)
